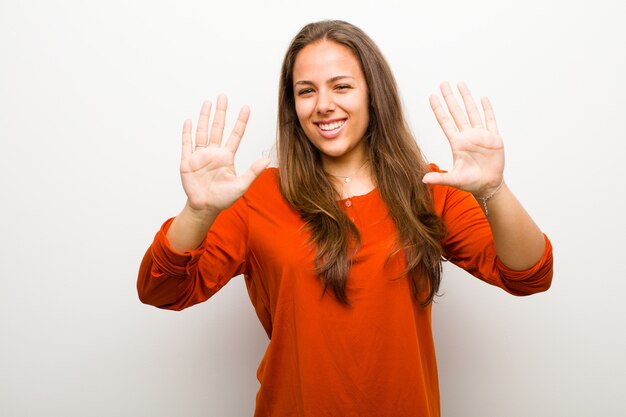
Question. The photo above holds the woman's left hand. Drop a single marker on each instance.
(477, 147)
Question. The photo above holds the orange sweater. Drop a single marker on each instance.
(375, 358)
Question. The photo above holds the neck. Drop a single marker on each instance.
(348, 176)
(346, 165)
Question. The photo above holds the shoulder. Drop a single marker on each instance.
(265, 186)
(265, 200)
(267, 178)
(432, 167)
(447, 199)
(438, 192)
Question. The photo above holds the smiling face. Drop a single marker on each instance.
(332, 104)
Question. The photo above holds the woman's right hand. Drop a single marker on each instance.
(207, 168)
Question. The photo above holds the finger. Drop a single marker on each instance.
(470, 106)
(217, 129)
(239, 129)
(202, 135)
(254, 171)
(453, 106)
(439, 178)
(490, 117)
(449, 129)
(187, 146)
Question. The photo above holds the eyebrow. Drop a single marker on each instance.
(331, 80)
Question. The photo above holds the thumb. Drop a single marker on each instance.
(254, 171)
(437, 178)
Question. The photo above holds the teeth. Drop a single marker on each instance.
(331, 126)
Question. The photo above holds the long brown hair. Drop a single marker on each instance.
(396, 161)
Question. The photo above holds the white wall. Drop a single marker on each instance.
(92, 99)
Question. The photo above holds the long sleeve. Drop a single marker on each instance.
(469, 244)
(173, 280)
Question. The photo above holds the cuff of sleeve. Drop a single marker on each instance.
(169, 260)
(540, 268)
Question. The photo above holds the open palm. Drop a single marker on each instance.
(477, 147)
(207, 169)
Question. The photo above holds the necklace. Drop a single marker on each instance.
(348, 178)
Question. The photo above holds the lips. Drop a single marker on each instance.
(330, 128)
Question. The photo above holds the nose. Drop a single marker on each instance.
(325, 103)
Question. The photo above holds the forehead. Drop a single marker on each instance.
(323, 60)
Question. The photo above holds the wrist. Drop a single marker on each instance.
(489, 189)
(200, 216)
(484, 198)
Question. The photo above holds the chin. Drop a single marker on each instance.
(333, 152)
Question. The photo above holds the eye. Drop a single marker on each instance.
(343, 87)
(305, 91)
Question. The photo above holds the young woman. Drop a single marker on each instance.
(341, 245)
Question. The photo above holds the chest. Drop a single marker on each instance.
(283, 252)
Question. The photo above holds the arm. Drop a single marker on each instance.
(175, 280)
(478, 168)
(519, 242)
(172, 274)
(208, 175)
(469, 244)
